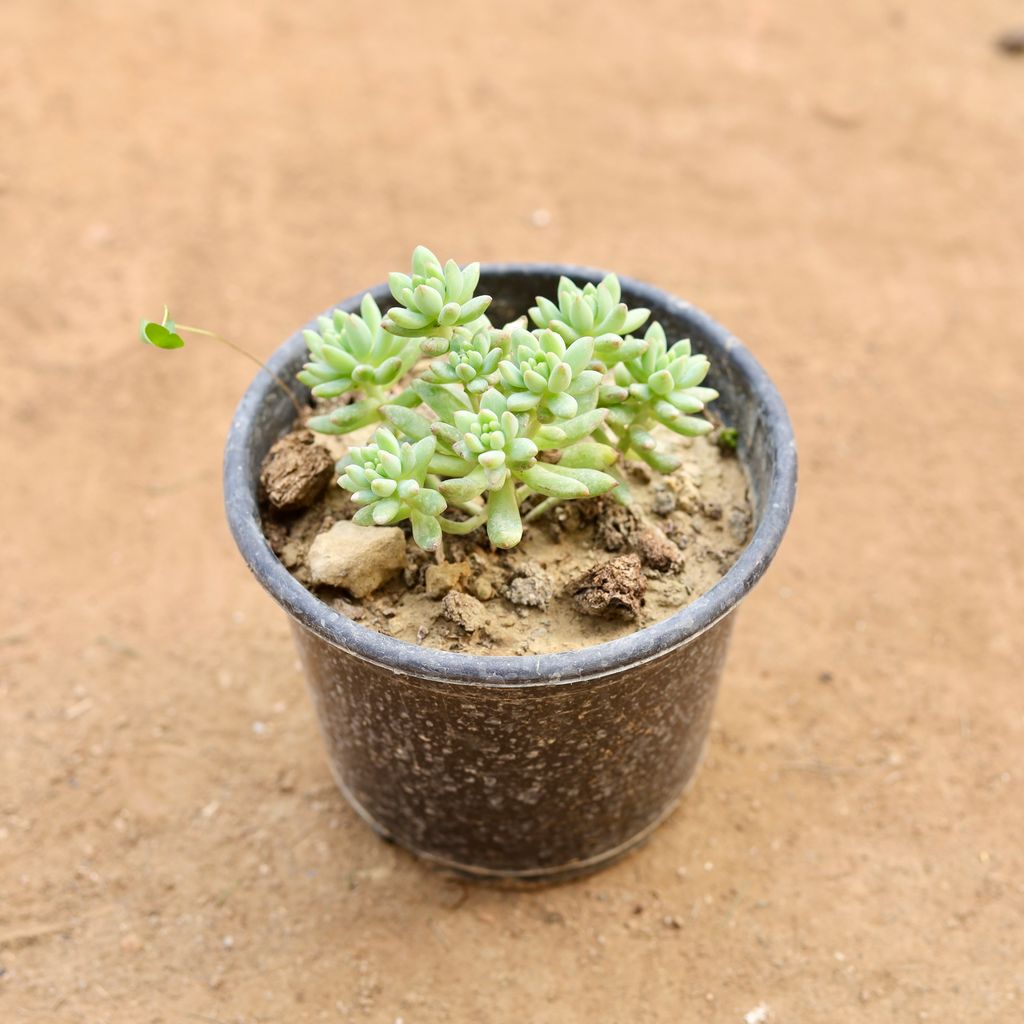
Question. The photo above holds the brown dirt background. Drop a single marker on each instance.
(839, 183)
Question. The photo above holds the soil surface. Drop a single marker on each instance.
(561, 588)
(839, 183)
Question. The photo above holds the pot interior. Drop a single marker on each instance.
(748, 402)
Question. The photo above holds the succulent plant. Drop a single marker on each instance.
(663, 386)
(474, 419)
(593, 311)
(499, 414)
(546, 375)
(472, 360)
(353, 353)
(388, 480)
(434, 299)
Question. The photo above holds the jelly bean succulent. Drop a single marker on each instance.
(480, 425)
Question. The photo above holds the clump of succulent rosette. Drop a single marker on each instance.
(477, 419)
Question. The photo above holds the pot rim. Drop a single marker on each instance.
(543, 670)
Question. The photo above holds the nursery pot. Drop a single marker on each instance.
(522, 767)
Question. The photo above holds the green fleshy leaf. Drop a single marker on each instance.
(358, 414)
(558, 435)
(429, 502)
(407, 398)
(385, 510)
(504, 525)
(562, 406)
(546, 479)
(443, 464)
(689, 426)
(410, 423)
(587, 455)
(465, 488)
(661, 462)
(426, 530)
(594, 480)
(422, 453)
(332, 388)
(444, 400)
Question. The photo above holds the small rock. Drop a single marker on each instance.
(687, 493)
(620, 527)
(664, 501)
(295, 471)
(447, 576)
(291, 554)
(356, 612)
(616, 524)
(530, 587)
(739, 524)
(464, 611)
(483, 589)
(358, 558)
(1011, 42)
(656, 550)
(131, 943)
(614, 588)
(639, 471)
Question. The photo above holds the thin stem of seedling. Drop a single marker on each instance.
(248, 355)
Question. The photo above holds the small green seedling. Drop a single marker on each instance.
(728, 439)
(161, 335)
(472, 419)
(165, 334)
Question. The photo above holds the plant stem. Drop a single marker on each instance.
(540, 509)
(467, 526)
(621, 442)
(248, 355)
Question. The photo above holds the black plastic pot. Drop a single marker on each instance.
(531, 768)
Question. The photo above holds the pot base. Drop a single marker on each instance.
(528, 878)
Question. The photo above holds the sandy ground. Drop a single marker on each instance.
(839, 183)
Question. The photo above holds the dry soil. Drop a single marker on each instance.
(839, 183)
(527, 600)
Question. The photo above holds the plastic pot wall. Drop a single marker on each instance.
(529, 767)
